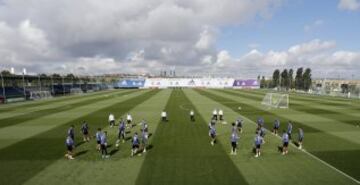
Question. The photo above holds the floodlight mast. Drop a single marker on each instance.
(3, 87)
(23, 74)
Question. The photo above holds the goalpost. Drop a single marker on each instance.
(38, 95)
(276, 100)
(76, 91)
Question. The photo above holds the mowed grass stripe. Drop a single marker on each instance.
(324, 100)
(350, 108)
(302, 107)
(10, 135)
(314, 121)
(272, 167)
(314, 143)
(30, 104)
(182, 153)
(21, 161)
(45, 112)
(29, 107)
(120, 168)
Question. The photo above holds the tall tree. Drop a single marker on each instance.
(307, 79)
(276, 78)
(284, 79)
(299, 78)
(6, 73)
(291, 79)
(262, 82)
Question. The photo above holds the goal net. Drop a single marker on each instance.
(276, 100)
(76, 91)
(38, 95)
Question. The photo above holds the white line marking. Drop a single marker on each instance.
(313, 156)
(182, 107)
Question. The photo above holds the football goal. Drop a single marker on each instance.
(76, 91)
(38, 95)
(276, 100)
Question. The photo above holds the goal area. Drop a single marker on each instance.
(276, 100)
(38, 95)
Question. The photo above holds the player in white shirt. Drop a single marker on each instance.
(163, 116)
(111, 120)
(221, 115)
(215, 114)
(192, 115)
(128, 120)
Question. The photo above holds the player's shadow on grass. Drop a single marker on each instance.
(127, 132)
(80, 143)
(81, 153)
(114, 151)
(296, 143)
(149, 147)
(280, 148)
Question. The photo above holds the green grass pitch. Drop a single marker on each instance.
(32, 136)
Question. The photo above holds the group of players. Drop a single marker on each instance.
(140, 144)
(237, 128)
(101, 136)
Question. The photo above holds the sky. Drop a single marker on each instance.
(242, 38)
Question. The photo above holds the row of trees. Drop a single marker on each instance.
(46, 80)
(285, 79)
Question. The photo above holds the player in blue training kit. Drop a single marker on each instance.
(135, 144)
(212, 134)
(70, 145)
(301, 137)
(143, 125)
(85, 131)
(71, 132)
(233, 127)
(260, 122)
(262, 133)
(103, 145)
(121, 134)
(276, 127)
(289, 129)
(98, 138)
(258, 142)
(285, 140)
(212, 123)
(239, 123)
(234, 141)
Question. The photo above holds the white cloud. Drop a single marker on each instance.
(351, 5)
(223, 57)
(41, 36)
(313, 46)
(206, 40)
(321, 56)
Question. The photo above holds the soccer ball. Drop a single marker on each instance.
(239, 108)
(117, 145)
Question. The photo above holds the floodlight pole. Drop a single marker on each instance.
(52, 84)
(63, 85)
(24, 85)
(39, 82)
(3, 87)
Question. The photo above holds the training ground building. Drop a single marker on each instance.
(163, 83)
